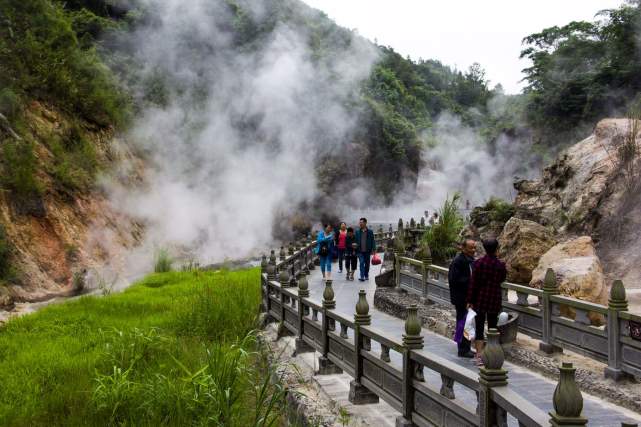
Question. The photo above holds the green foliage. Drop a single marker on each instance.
(442, 237)
(41, 57)
(75, 160)
(582, 72)
(19, 166)
(162, 261)
(6, 249)
(126, 358)
(499, 209)
(10, 103)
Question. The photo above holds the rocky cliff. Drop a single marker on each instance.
(586, 191)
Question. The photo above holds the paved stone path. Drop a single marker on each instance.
(532, 386)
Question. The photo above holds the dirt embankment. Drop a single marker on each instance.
(60, 236)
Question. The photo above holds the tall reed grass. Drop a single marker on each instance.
(174, 349)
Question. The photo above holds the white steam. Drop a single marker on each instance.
(215, 186)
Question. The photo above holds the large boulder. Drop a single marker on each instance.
(578, 273)
(521, 245)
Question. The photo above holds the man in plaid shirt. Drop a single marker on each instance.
(484, 293)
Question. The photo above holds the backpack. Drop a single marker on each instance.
(324, 249)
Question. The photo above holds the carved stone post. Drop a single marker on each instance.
(283, 279)
(549, 288)
(412, 340)
(271, 276)
(567, 400)
(358, 393)
(422, 222)
(491, 375)
(303, 292)
(281, 255)
(399, 250)
(263, 264)
(412, 223)
(426, 258)
(326, 366)
(272, 257)
(616, 304)
(290, 249)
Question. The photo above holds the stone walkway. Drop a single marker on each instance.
(532, 386)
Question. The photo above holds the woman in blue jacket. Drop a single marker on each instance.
(324, 246)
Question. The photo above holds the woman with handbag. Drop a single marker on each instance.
(324, 246)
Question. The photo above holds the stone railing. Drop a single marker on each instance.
(540, 315)
(394, 368)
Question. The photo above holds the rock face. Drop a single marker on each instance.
(522, 243)
(583, 193)
(573, 193)
(578, 272)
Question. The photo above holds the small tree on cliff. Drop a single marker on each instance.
(442, 236)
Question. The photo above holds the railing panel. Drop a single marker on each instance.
(525, 412)
(584, 339)
(312, 334)
(436, 409)
(411, 282)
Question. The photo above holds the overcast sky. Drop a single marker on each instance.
(461, 32)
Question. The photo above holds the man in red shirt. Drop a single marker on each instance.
(484, 292)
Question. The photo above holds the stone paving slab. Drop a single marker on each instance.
(532, 386)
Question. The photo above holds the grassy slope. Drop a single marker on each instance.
(124, 358)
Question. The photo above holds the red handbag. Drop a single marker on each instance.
(376, 259)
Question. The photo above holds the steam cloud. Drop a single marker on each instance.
(234, 147)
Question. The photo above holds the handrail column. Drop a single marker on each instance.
(549, 288)
(326, 366)
(412, 340)
(358, 393)
(616, 304)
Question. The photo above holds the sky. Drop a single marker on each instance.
(461, 32)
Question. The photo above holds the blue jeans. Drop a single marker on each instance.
(326, 263)
(363, 260)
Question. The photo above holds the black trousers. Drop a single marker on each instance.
(461, 313)
(350, 262)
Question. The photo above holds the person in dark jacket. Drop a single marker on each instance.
(365, 245)
(350, 253)
(484, 293)
(459, 277)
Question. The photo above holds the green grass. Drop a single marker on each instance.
(173, 349)
(441, 237)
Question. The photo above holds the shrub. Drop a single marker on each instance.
(500, 210)
(76, 161)
(162, 261)
(10, 104)
(442, 236)
(6, 269)
(19, 167)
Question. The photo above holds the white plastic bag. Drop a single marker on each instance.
(503, 318)
(469, 331)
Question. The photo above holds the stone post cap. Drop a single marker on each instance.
(549, 283)
(303, 287)
(362, 316)
(283, 278)
(328, 296)
(412, 337)
(492, 373)
(567, 399)
(618, 300)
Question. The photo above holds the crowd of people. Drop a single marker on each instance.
(475, 287)
(351, 247)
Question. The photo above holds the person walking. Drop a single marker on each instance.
(350, 253)
(340, 245)
(459, 275)
(365, 245)
(324, 246)
(484, 292)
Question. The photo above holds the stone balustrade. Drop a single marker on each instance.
(540, 316)
(387, 368)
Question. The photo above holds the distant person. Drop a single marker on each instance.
(459, 277)
(350, 253)
(324, 246)
(340, 245)
(434, 219)
(365, 245)
(484, 293)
